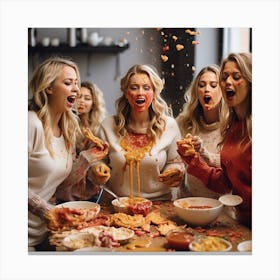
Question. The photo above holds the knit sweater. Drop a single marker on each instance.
(45, 173)
(235, 173)
(163, 156)
(210, 136)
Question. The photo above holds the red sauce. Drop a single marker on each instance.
(179, 240)
(199, 207)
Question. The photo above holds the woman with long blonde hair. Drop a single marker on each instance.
(91, 110)
(200, 118)
(235, 173)
(52, 130)
(142, 137)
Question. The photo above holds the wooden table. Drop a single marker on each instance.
(224, 226)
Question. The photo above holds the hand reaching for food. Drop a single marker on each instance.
(100, 174)
(171, 177)
(186, 146)
(94, 154)
(95, 140)
(197, 143)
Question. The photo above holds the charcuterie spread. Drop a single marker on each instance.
(161, 230)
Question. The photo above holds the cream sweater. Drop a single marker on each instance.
(210, 135)
(44, 172)
(162, 156)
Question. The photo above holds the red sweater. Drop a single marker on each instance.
(235, 173)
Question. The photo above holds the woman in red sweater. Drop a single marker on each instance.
(235, 173)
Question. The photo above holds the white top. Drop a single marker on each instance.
(154, 162)
(211, 136)
(44, 172)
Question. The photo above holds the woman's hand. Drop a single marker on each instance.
(94, 154)
(187, 147)
(171, 177)
(100, 174)
(197, 143)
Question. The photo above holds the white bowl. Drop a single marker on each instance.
(245, 246)
(80, 205)
(79, 240)
(122, 205)
(201, 215)
(95, 249)
(210, 244)
(121, 234)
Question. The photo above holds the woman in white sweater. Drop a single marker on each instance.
(51, 142)
(201, 118)
(142, 137)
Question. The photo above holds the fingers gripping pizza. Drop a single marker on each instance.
(186, 146)
(95, 140)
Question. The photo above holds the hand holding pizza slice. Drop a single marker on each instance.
(186, 146)
(100, 173)
(171, 177)
(95, 140)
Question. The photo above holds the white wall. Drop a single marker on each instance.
(206, 52)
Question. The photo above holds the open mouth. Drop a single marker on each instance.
(140, 101)
(71, 99)
(207, 99)
(230, 93)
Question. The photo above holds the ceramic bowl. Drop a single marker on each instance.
(198, 211)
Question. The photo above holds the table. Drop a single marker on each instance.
(224, 226)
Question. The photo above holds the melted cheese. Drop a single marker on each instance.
(135, 147)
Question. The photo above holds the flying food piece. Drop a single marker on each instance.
(165, 48)
(195, 42)
(164, 58)
(179, 47)
(192, 32)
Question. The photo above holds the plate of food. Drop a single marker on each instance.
(210, 244)
(120, 234)
(69, 215)
(79, 240)
(132, 205)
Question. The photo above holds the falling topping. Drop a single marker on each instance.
(164, 57)
(195, 42)
(192, 32)
(179, 47)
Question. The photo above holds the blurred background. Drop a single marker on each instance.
(105, 54)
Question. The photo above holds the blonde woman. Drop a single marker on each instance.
(235, 173)
(142, 136)
(52, 130)
(201, 118)
(90, 107)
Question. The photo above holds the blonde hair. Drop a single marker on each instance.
(189, 120)
(158, 109)
(244, 64)
(43, 77)
(98, 110)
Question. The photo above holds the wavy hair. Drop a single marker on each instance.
(189, 120)
(43, 77)
(244, 64)
(98, 109)
(157, 111)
